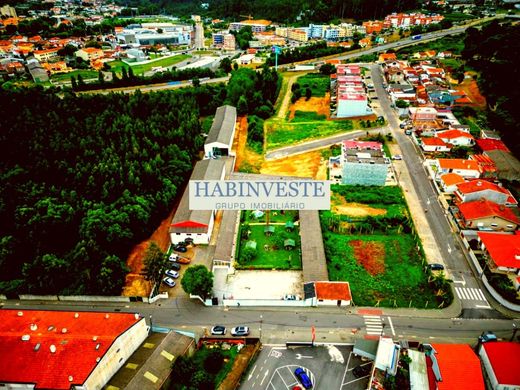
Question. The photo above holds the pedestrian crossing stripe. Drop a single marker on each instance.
(374, 324)
(470, 294)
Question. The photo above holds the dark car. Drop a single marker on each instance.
(188, 241)
(361, 371)
(174, 266)
(303, 378)
(436, 267)
(180, 248)
(218, 329)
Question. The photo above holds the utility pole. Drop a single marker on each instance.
(261, 319)
(515, 329)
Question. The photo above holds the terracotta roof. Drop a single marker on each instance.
(484, 208)
(481, 185)
(91, 50)
(451, 134)
(32, 361)
(451, 179)
(505, 360)
(335, 291)
(433, 141)
(459, 367)
(457, 163)
(363, 145)
(503, 248)
(487, 144)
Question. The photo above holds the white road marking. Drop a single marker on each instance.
(458, 292)
(391, 325)
(265, 376)
(252, 372)
(483, 306)
(482, 295)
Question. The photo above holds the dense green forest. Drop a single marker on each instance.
(84, 178)
(278, 10)
(494, 51)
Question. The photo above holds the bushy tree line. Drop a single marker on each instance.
(255, 133)
(86, 177)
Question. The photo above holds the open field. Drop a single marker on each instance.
(357, 210)
(318, 83)
(317, 105)
(369, 254)
(138, 68)
(282, 133)
(85, 74)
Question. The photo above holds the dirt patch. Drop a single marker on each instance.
(135, 284)
(301, 165)
(472, 91)
(370, 254)
(240, 365)
(320, 105)
(239, 143)
(357, 210)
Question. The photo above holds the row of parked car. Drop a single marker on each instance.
(176, 261)
(221, 330)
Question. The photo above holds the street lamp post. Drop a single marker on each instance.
(261, 320)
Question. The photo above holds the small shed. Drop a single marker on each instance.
(251, 244)
(289, 244)
(289, 226)
(269, 230)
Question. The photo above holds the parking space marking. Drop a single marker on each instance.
(265, 376)
(391, 325)
(278, 373)
(252, 372)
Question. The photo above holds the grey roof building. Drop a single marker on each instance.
(507, 165)
(220, 137)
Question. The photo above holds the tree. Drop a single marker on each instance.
(73, 83)
(124, 73)
(308, 93)
(131, 73)
(198, 280)
(81, 83)
(67, 51)
(101, 78)
(242, 106)
(327, 69)
(401, 103)
(225, 65)
(155, 262)
(195, 82)
(247, 255)
(214, 361)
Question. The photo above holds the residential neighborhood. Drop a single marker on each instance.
(259, 196)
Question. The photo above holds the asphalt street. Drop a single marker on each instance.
(447, 241)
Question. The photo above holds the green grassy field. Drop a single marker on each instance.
(85, 73)
(281, 133)
(278, 258)
(142, 68)
(306, 116)
(318, 83)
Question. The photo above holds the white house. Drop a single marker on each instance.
(501, 365)
(457, 137)
(465, 168)
(449, 182)
(220, 136)
(482, 189)
(196, 224)
(434, 144)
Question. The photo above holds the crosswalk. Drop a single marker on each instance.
(374, 324)
(470, 294)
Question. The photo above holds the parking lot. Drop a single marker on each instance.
(328, 367)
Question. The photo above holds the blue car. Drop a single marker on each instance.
(303, 378)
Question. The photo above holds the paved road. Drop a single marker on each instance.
(468, 289)
(278, 325)
(319, 143)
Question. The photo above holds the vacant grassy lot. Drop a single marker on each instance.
(307, 116)
(85, 74)
(270, 251)
(138, 69)
(369, 242)
(318, 83)
(281, 133)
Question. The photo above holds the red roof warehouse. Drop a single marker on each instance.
(60, 350)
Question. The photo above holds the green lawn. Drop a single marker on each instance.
(452, 63)
(85, 73)
(281, 133)
(142, 68)
(276, 257)
(403, 279)
(318, 83)
(306, 116)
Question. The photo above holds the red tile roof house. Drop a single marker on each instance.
(449, 182)
(487, 144)
(453, 367)
(485, 215)
(482, 189)
(434, 144)
(62, 350)
(502, 251)
(488, 168)
(501, 364)
(457, 137)
(465, 168)
(333, 293)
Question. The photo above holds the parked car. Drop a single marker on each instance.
(402, 125)
(397, 157)
(240, 331)
(172, 274)
(188, 241)
(180, 248)
(436, 267)
(173, 257)
(487, 336)
(303, 378)
(169, 282)
(218, 329)
(289, 297)
(361, 371)
(175, 266)
(408, 132)
(184, 260)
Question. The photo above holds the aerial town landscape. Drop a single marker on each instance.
(112, 111)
